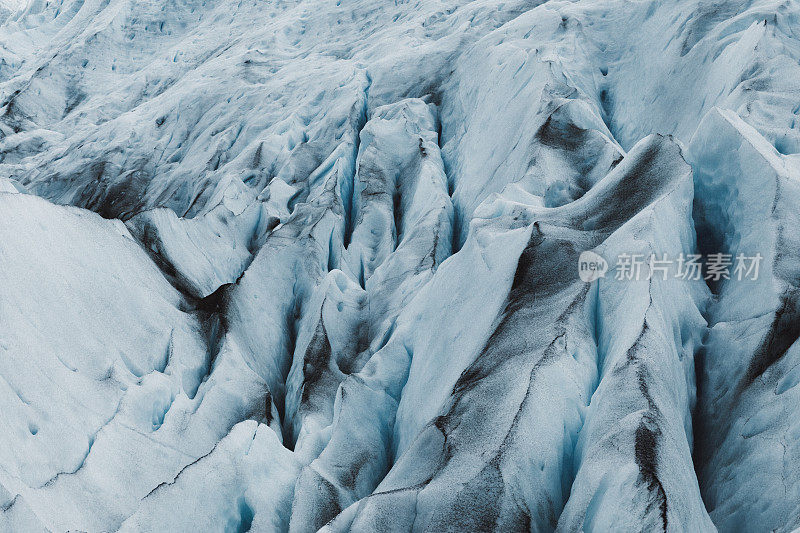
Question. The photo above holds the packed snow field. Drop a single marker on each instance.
(300, 265)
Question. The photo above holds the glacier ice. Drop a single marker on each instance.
(313, 265)
(747, 204)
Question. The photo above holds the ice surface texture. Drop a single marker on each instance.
(303, 265)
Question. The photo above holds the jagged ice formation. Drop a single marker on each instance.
(301, 265)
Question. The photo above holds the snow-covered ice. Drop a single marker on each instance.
(301, 265)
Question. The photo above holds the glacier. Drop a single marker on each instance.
(314, 265)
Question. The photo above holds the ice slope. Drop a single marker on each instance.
(748, 197)
(315, 265)
(102, 360)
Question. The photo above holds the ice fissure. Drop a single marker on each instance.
(305, 266)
